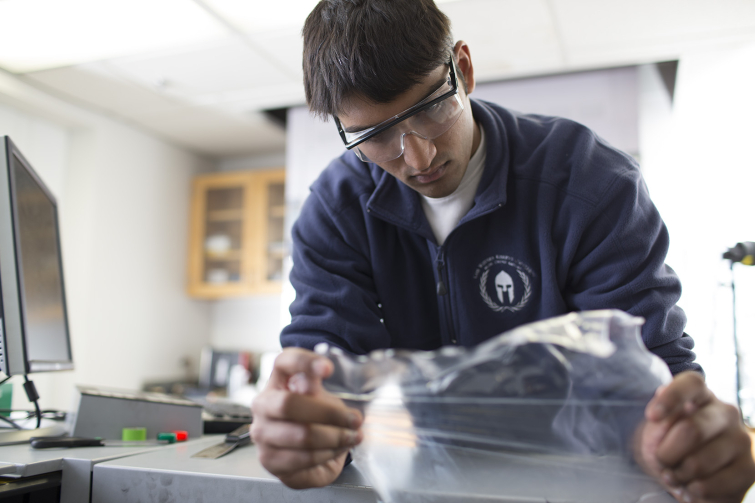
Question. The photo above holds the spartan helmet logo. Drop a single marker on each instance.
(504, 286)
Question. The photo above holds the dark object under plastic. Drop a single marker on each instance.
(547, 410)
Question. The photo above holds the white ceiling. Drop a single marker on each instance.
(198, 72)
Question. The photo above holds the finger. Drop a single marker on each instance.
(709, 459)
(297, 360)
(324, 409)
(305, 384)
(646, 441)
(686, 393)
(286, 435)
(288, 461)
(729, 484)
(690, 433)
(317, 476)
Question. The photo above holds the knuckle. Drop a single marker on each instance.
(732, 413)
(281, 359)
(702, 489)
(254, 431)
(691, 431)
(746, 440)
(696, 378)
(689, 469)
(302, 435)
(258, 434)
(282, 403)
(265, 457)
(311, 458)
(264, 405)
(258, 405)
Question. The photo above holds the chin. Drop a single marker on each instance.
(436, 192)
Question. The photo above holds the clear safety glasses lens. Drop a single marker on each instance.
(427, 124)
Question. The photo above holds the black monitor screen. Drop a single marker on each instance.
(46, 330)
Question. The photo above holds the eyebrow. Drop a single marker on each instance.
(356, 129)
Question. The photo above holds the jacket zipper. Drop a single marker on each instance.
(442, 291)
(441, 286)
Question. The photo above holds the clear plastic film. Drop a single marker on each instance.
(545, 412)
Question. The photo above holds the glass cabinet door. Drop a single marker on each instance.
(237, 234)
(276, 246)
(223, 237)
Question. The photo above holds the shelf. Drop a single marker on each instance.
(277, 211)
(277, 249)
(223, 257)
(225, 215)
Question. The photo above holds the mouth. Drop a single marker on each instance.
(431, 174)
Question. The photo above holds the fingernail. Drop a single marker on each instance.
(354, 437)
(353, 421)
(321, 367)
(686, 497)
(342, 451)
(668, 479)
(298, 383)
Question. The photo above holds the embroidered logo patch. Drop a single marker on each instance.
(505, 283)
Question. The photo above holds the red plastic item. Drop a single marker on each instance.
(181, 435)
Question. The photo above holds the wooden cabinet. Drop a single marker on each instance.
(237, 246)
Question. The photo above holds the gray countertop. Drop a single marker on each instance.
(172, 475)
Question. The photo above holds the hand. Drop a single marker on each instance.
(695, 444)
(302, 432)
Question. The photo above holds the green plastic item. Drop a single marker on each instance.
(134, 434)
(6, 397)
(170, 437)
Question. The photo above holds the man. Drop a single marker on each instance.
(450, 221)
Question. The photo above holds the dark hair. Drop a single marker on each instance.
(376, 49)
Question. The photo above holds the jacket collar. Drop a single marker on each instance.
(400, 205)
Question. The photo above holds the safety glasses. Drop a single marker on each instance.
(428, 119)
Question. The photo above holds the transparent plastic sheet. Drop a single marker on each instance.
(545, 412)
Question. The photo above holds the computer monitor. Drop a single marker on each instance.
(34, 333)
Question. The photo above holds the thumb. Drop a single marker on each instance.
(305, 384)
(310, 367)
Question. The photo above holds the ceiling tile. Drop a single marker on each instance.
(203, 75)
(94, 85)
(43, 34)
(598, 31)
(259, 16)
(506, 37)
(285, 46)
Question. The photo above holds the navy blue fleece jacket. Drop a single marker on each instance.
(561, 222)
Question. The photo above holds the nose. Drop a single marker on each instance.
(418, 152)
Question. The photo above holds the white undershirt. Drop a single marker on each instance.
(444, 213)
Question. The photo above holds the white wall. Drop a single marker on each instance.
(124, 210)
(311, 145)
(698, 162)
(604, 100)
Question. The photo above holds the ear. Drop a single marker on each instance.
(464, 62)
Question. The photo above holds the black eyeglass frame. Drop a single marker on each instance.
(419, 107)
